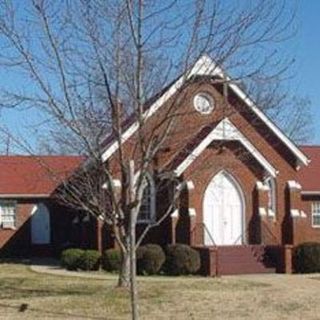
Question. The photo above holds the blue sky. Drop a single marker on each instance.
(304, 47)
(307, 69)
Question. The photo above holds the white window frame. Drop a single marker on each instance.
(6, 203)
(315, 211)
(272, 196)
(152, 201)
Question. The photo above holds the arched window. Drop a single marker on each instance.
(270, 183)
(147, 212)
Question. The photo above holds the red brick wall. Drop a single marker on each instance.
(209, 163)
(234, 158)
(304, 231)
(17, 241)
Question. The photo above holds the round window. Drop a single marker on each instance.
(203, 103)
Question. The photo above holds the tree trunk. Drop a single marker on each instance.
(132, 246)
(133, 272)
(124, 272)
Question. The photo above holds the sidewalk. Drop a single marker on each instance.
(52, 266)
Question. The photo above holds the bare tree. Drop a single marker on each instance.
(95, 67)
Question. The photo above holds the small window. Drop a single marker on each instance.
(270, 183)
(203, 103)
(8, 214)
(315, 208)
(147, 208)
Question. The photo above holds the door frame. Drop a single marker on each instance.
(243, 204)
(34, 210)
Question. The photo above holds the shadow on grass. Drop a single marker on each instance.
(20, 261)
(24, 307)
(15, 288)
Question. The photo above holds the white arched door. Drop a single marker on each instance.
(223, 211)
(40, 225)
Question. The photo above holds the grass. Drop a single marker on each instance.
(249, 297)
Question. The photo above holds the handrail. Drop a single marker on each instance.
(209, 233)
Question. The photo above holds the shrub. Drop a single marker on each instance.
(150, 259)
(306, 257)
(181, 259)
(89, 260)
(70, 258)
(111, 260)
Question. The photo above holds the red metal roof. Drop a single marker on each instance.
(309, 176)
(34, 175)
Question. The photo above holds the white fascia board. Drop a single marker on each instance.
(249, 102)
(114, 146)
(225, 130)
(206, 66)
(296, 151)
(311, 193)
(203, 66)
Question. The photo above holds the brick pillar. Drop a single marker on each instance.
(174, 221)
(287, 259)
(194, 237)
(104, 232)
(295, 213)
(99, 234)
(262, 213)
(194, 233)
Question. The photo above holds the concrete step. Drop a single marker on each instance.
(243, 260)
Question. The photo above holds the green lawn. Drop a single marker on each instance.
(246, 297)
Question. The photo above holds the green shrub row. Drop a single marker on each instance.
(306, 257)
(177, 259)
(75, 259)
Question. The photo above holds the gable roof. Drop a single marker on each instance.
(205, 66)
(309, 177)
(225, 130)
(34, 176)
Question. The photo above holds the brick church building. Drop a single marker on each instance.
(250, 193)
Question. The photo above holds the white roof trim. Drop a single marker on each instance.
(311, 193)
(242, 95)
(206, 66)
(201, 67)
(225, 130)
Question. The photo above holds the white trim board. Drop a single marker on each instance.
(201, 67)
(206, 66)
(311, 193)
(225, 130)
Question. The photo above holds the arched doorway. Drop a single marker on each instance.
(223, 211)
